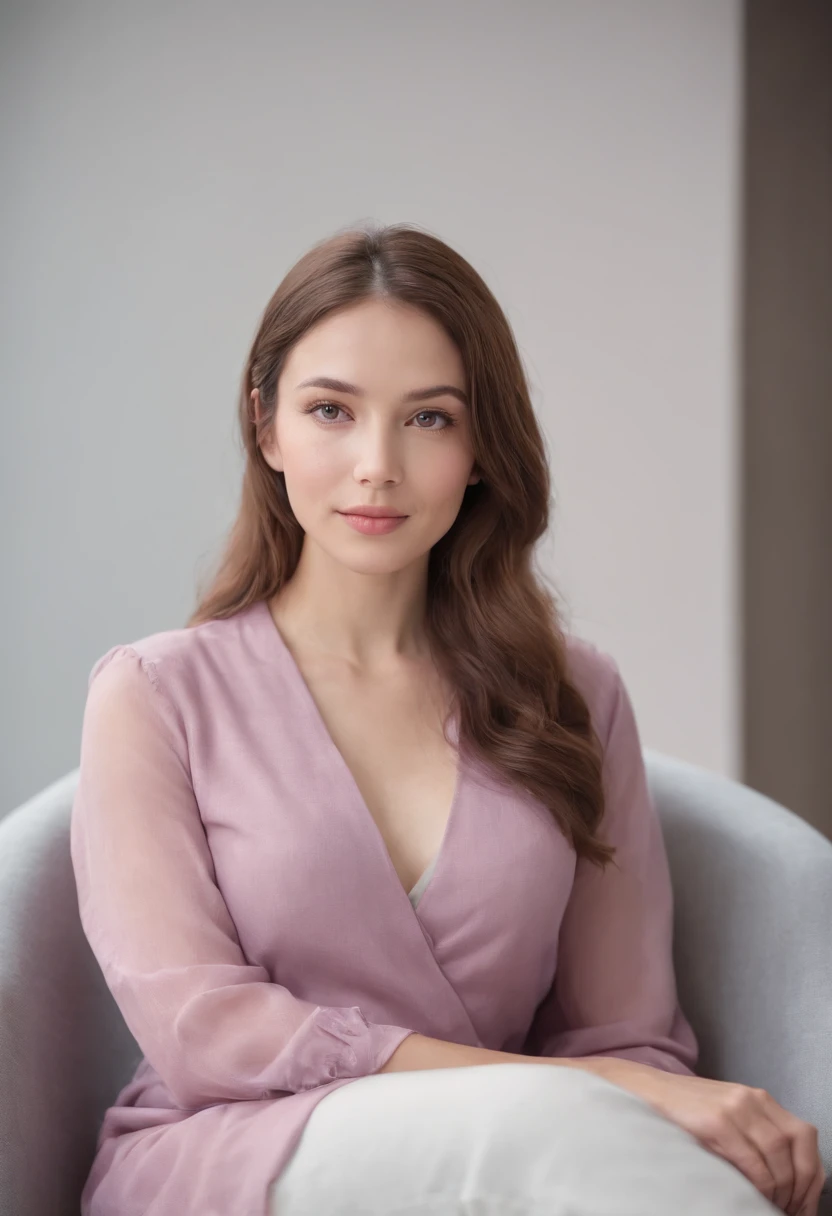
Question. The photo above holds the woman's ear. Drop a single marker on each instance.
(268, 444)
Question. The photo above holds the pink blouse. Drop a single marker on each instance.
(253, 931)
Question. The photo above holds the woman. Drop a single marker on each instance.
(375, 822)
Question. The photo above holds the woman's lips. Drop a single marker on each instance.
(372, 525)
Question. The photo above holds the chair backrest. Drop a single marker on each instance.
(753, 904)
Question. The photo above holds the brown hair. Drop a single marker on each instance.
(494, 630)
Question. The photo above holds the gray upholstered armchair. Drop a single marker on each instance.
(753, 954)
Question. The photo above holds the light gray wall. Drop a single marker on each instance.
(165, 165)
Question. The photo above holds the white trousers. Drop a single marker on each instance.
(502, 1140)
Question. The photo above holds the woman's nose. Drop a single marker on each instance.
(378, 455)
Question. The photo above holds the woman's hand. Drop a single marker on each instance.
(775, 1150)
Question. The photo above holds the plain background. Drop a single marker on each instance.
(165, 164)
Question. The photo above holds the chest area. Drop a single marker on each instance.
(389, 739)
(319, 812)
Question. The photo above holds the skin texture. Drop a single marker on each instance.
(359, 602)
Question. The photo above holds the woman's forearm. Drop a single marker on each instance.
(418, 1051)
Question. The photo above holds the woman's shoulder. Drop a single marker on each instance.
(596, 675)
(181, 656)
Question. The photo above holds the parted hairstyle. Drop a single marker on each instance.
(495, 630)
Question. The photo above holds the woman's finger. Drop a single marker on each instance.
(771, 1129)
(726, 1138)
(802, 1138)
(812, 1201)
(786, 1160)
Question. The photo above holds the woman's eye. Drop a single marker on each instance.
(322, 405)
(434, 414)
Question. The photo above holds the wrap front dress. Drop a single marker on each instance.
(249, 922)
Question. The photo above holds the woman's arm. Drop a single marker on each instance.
(213, 1025)
(419, 1051)
(614, 991)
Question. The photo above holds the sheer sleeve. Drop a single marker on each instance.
(614, 991)
(212, 1024)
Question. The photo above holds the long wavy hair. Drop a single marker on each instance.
(494, 629)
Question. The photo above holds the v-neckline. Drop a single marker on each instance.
(277, 643)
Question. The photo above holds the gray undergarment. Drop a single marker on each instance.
(416, 892)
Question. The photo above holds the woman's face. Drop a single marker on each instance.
(343, 447)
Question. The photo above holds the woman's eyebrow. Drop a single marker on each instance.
(419, 394)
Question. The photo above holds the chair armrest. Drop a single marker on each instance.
(65, 1049)
(752, 887)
